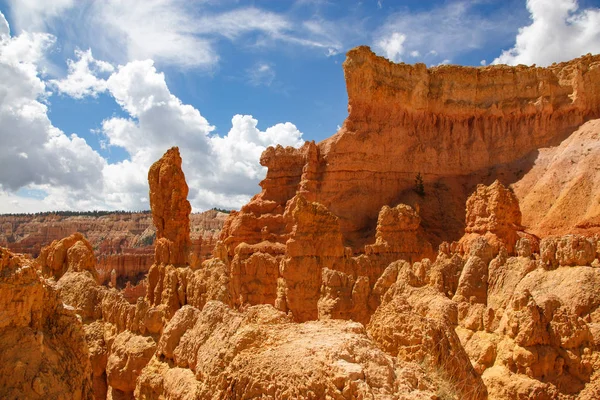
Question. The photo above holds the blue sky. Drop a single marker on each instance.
(94, 91)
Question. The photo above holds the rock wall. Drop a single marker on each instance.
(454, 125)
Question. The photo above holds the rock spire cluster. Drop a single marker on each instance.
(327, 285)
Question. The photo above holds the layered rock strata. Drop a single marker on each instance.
(454, 125)
(123, 243)
(325, 285)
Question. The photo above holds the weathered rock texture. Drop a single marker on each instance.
(43, 353)
(445, 122)
(560, 194)
(170, 209)
(122, 242)
(493, 211)
(399, 233)
(326, 285)
(71, 254)
(221, 353)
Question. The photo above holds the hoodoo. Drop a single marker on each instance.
(170, 209)
(327, 283)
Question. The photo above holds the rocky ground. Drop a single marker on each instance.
(339, 280)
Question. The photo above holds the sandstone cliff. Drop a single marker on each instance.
(457, 126)
(326, 284)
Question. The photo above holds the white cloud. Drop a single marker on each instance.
(237, 153)
(51, 157)
(234, 23)
(220, 170)
(173, 32)
(82, 79)
(13, 203)
(4, 27)
(415, 53)
(162, 30)
(332, 52)
(483, 62)
(261, 74)
(392, 46)
(329, 35)
(68, 174)
(36, 15)
(445, 31)
(559, 31)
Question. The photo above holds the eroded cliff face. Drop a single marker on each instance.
(560, 193)
(457, 126)
(326, 284)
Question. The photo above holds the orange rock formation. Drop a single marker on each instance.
(326, 285)
(43, 353)
(444, 122)
(170, 209)
(71, 254)
(122, 242)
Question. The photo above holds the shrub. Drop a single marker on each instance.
(419, 187)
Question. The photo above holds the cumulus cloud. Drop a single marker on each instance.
(392, 46)
(238, 152)
(221, 170)
(67, 173)
(559, 31)
(82, 79)
(34, 151)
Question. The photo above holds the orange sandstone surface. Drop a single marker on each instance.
(339, 280)
(121, 242)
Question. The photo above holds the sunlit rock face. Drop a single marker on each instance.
(170, 209)
(326, 284)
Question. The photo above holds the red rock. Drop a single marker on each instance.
(399, 234)
(43, 353)
(121, 242)
(170, 209)
(73, 253)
